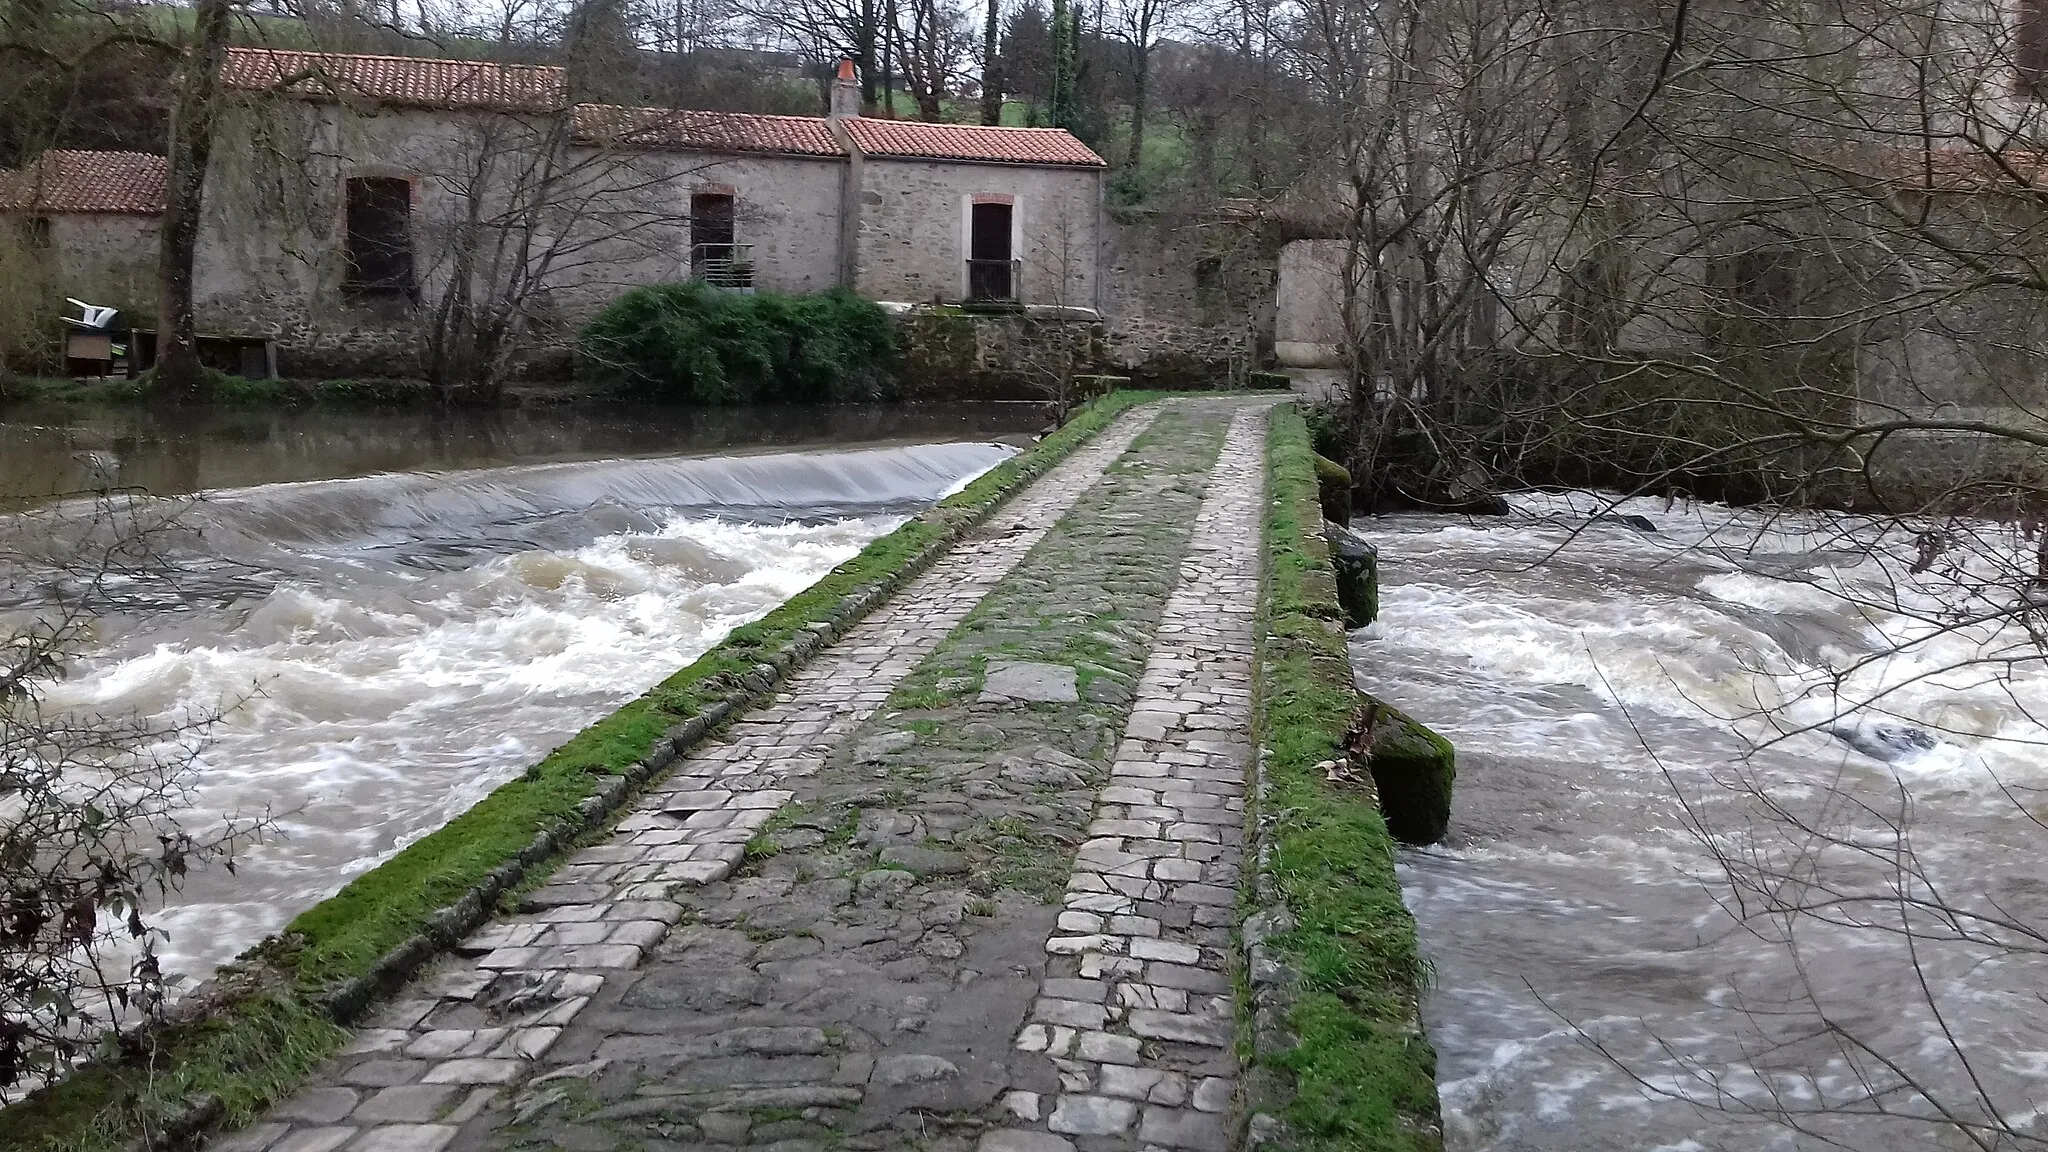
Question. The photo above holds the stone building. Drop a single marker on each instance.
(94, 215)
(382, 215)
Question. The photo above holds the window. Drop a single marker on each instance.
(990, 273)
(380, 235)
(711, 227)
(716, 255)
(2030, 48)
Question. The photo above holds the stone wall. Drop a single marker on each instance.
(1188, 302)
(949, 354)
(106, 260)
(1309, 303)
(913, 229)
(786, 210)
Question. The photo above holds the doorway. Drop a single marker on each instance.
(991, 266)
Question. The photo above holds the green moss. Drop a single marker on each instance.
(1364, 1076)
(1279, 381)
(245, 1057)
(260, 1048)
(1333, 489)
(1413, 770)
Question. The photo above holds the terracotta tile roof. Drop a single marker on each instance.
(913, 139)
(704, 131)
(407, 80)
(1975, 169)
(115, 183)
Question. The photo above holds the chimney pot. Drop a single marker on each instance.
(845, 93)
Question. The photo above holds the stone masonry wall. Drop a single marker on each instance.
(106, 260)
(913, 229)
(1185, 301)
(786, 209)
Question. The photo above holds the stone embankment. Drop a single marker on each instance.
(970, 882)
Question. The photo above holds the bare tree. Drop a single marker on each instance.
(191, 143)
(1140, 24)
(90, 833)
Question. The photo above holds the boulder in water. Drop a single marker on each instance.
(1891, 743)
(1357, 565)
(1413, 769)
(1626, 519)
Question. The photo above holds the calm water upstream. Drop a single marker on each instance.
(405, 610)
(1595, 986)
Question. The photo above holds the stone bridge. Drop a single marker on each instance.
(970, 882)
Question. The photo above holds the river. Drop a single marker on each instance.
(1669, 914)
(400, 611)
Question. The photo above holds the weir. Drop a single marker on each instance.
(401, 644)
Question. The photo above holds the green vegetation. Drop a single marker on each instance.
(691, 342)
(1364, 1075)
(1275, 380)
(1413, 769)
(261, 1045)
(246, 1056)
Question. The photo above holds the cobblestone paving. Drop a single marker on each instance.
(861, 981)
(1137, 1005)
(439, 1058)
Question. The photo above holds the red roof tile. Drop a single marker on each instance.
(913, 139)
(115, 183)
(671, 128)
(408, 80)
(1973, 169)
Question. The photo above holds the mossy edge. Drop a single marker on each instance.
(1360, 1073)
(252, 1048)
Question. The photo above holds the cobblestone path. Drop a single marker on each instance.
(841, 923)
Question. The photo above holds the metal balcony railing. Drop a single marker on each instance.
(729, 266)
(993, 280)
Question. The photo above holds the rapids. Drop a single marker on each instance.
(389, 648)
(1642, 716)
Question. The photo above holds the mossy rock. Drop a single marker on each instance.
(1412, 767)
(1274, 380)
(1357, 567)
(1333, 490)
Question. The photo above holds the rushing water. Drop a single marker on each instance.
(1622, 703)
(392, 646)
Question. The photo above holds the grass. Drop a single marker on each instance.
(1365, 1077)
(259, 1047)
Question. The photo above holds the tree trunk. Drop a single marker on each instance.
(867, 48)
(1062, 67)
(191, 143)
(992, 67)
(1141, 74)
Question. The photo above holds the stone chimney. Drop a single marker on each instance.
(845, 93)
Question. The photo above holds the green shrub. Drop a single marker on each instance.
(1326, 431)
(693, 343)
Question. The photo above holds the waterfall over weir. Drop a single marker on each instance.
(390, 648)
